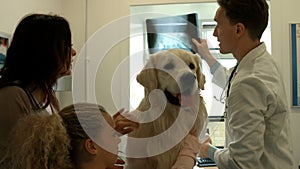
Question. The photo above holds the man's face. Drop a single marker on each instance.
(225, 32)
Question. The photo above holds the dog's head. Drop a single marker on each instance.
(176, 72)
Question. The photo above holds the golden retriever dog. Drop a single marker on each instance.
(171, 109)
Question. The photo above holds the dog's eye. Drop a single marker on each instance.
(169, 66)
(192, 66)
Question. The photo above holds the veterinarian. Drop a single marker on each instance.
(257, 124)
(73, 145)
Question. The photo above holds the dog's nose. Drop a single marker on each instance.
(187, 78)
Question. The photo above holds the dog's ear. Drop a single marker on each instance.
(200, 75)
(148, 76)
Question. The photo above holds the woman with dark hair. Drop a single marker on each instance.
(40, 52)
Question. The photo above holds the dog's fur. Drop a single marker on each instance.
(177, 74)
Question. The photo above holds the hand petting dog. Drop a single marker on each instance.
(123, 124)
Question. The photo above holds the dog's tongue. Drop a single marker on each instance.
(186, 100)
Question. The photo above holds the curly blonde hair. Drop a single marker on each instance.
(43, 141)
(39, 141)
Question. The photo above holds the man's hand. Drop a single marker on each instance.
(205, 147)
(204, 52)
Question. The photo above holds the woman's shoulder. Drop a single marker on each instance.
(8, 91)
(13, 95)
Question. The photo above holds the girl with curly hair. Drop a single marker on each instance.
(80, 136)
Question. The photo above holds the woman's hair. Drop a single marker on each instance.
(253, 14)
(43, 141)
(40, 49)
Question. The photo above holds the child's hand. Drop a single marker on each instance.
(123, 124)
(119, 164)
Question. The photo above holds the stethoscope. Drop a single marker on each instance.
(222, 96)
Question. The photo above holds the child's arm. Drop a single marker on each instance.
(187, 156)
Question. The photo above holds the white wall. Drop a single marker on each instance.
(101, 15)
(75, 12)
(282, 14)
(13, 10)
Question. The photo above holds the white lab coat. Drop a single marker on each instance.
(257, 125)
